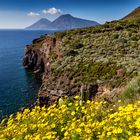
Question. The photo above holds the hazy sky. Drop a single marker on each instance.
(21, 13)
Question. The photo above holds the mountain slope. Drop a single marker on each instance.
(41, 24)
(134, 15)
(66, 22)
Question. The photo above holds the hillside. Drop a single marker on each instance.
(134, 15)
(64, 22)
(41, 24)
(96, 61)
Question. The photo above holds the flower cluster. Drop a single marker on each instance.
(74, 120)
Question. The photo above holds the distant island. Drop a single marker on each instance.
(64, 22)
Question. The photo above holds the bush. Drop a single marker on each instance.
(119, 27)
(132, 90)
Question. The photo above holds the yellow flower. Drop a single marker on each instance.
(88, 102)
(52, 114)
(88, 130)
(76, 97)
(37, 137)
(70, 104)
(66, 133)
(119, 101)
(48, 137)
(78, 130)
(53, 125)
(108, 133)
(82, 124)
(76, 104)
(73, 113)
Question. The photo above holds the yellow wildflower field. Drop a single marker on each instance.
(74, 121)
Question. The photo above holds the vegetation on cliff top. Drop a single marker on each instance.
(97, 54)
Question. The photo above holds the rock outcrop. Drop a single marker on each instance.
(38, 59)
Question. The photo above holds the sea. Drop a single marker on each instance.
(18, 87)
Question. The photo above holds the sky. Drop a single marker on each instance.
(22, 13)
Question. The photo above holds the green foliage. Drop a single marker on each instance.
(71, 53)
(59, 35)
(118, 27)
(115, 35)
(132, 90)
(95, 71)
(76, 44)
(96, 53)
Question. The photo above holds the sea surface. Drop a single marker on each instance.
(18, 87)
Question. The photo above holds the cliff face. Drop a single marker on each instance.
(38, 59)
(95, 62)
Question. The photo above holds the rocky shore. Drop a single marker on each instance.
(37, 59)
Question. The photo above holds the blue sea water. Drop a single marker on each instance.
(18, 87)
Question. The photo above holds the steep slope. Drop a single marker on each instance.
(66, 22)
(134, 15)
(96, 62)
(41, 24)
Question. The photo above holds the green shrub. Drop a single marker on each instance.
(132, 90)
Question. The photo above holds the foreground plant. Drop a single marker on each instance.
(72, 120)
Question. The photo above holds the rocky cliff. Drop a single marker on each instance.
(38, 59)
(95, 62)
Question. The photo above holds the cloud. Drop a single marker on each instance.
(52, 11)
(32, 14)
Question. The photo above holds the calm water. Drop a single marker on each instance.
(18, 87)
